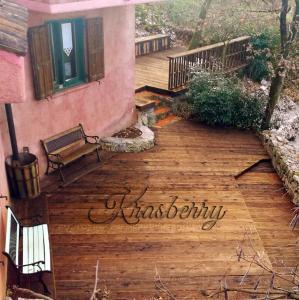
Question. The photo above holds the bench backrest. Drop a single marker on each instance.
(63, 140)
(12, 237)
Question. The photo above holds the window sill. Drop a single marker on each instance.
(73, 89)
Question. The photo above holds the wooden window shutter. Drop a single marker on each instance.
(95, 48)
(41, 61)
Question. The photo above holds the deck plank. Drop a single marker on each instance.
(195, 163)
(153, 70)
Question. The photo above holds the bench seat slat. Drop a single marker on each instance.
(77, 153)
(38, 245)
(47, 248)
(25, 249)
(28, 244)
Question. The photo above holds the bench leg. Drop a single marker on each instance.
(41, 280)
(98, 155)
(47, 171)
(61, 174)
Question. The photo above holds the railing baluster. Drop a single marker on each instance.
(150, 44)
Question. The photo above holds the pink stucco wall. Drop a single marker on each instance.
(102, 109)
(12, 87)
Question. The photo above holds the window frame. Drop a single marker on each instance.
(78, 39)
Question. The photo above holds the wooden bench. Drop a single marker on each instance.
(34, 245)
(67, 146)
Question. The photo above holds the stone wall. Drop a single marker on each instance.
(282, 144)
(285, 161)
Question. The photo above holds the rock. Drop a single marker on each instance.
(265, 83)
(147, 117)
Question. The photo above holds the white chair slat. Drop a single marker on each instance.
(25, 249)
(28, 255)
(36, 256)
(38, 246)
(47, 266)
(39, 249)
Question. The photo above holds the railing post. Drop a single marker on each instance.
(223, 61)
(170, 76)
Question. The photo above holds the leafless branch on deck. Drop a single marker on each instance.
(98, 293)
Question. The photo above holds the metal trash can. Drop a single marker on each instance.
(23, 176)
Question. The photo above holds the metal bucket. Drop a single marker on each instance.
(23, 176)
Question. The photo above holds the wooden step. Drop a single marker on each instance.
(146, 100)
(162, 113)
(144, 105)
(168, 120)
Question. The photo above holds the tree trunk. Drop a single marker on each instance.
(283, 25)
(274, 96)
(197, 35)
(278, 80)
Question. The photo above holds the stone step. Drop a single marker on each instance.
(168, 120)
(162, 113)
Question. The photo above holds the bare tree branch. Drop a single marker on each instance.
(28, 294)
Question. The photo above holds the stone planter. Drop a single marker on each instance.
(144, 142)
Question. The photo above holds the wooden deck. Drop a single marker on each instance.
(194, 163)
(153, 70)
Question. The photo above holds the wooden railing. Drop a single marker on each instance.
(150, 44)
(225, 56)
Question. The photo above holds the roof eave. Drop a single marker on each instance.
(76, 6)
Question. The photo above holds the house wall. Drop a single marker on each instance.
(12, 68)
(101, 108)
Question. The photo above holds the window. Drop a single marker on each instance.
(67, 47)
(65, 53)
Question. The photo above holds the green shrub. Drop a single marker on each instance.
(182, 109)
(220, 101)
(262, 45)
(258, 69)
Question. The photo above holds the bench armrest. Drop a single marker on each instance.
(57, 156)
(95, 139)
(33, 264)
